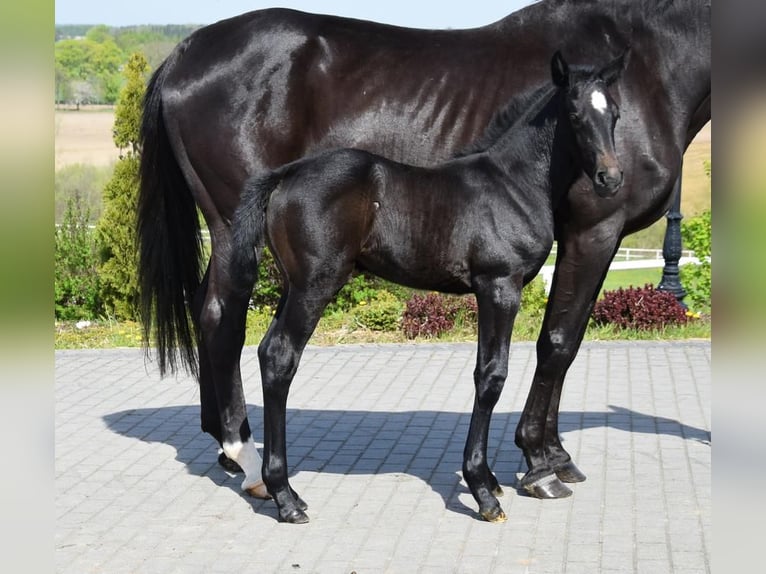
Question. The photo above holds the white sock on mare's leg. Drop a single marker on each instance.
(247, 457)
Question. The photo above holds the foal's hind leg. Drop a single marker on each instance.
(279, 354)
(498, 301)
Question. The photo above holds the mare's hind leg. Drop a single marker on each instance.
(210, 420)
(279, 354)
(581, 266)
(498, 301)
(222, 334)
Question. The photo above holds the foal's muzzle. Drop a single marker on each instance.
(607, 181)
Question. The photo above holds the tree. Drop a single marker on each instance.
(127, 114)
(84, 92)
(116, 229)
(63, 87)
(99, 34)
(95, 59)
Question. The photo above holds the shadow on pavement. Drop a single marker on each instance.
(423, 444)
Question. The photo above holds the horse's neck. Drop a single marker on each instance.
(670, 40)
(677, 49)
(535, 159)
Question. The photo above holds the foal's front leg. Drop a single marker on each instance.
(498, 301)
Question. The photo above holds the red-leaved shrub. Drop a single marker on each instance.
(432, 314)
(639, 308)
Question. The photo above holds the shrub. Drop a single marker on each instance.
(426, 315)
(697, 279)
(357, 290)
(268, 287)
(465, 310)
(76, 282)
(432, 314)
(383, 313)
(639, 308)
(533, 297)
(85, 181)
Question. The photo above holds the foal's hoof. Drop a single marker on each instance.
(258, 490)
(568, 472)
(228, 464)
(296, 516)
(300, 502)
(495, 515)
(548, 486)
(496, 489)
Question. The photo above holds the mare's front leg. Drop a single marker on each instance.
(581, 265)
(222, 335)
(498, 302)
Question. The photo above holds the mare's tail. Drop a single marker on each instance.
(169, 239)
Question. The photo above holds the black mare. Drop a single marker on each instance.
(269, 87)
(481, 223)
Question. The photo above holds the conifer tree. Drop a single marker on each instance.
(116, 230)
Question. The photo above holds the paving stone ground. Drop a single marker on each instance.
(375, 440)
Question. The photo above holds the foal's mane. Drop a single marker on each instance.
(507, 116)
(530, 107)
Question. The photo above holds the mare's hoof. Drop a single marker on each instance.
(298, 500)
(495, 515)
(228, 464)
(258, 490)
(296, 516)
(568, 472)
(548, 486)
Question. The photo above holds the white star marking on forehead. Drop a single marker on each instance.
(598, 100)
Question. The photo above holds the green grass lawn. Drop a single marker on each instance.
(343, 329)
(631, 277)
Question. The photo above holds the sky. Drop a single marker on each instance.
(414, 13)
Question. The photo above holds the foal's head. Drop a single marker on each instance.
(591, 114)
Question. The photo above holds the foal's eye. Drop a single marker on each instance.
(574, 118)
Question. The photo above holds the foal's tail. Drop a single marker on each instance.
(249, 225)
(168, 237)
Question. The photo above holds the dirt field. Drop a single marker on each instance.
(695, 184)
(85, 136)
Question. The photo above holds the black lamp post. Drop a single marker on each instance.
(672, 248)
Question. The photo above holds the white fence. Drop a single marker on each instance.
(628, 258)
(636, 253)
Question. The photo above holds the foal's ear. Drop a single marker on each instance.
(613, 69)
(559, 70)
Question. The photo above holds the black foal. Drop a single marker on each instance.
(480, 223)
